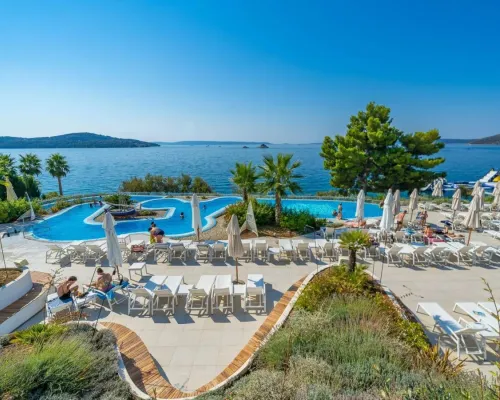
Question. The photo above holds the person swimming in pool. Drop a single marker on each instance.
(182, 215)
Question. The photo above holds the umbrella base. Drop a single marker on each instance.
(238, 282)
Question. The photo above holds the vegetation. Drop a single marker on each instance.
(51, 361)
(279, 177)
(8, 275)
(169, 184)
(244, 177)
(70, 140)
(265, 216)
(30, 164)
(375, 155)
(11, 210)
(346, 340)
(354, 241)
(58, 167)
(118, 198)
(50, 195)
(26, 183)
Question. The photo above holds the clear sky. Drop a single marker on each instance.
(281, 71)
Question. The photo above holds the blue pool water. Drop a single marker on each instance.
(325, 208)
(70, 224)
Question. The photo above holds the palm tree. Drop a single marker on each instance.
(245, 178)
(58, 167)
(30, 164)
(7, 165)
(354, 241)
(279, 178)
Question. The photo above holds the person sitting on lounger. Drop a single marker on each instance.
(65, 289)
(103, 281)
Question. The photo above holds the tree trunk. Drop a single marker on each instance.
(245, 195)
(352, 260)
(277, 209)
(60, 185)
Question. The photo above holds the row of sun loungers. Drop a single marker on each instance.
(76, 252)
(467, 336)
(210, 293)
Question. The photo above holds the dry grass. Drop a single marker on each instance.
(8, 275)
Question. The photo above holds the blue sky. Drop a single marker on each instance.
(281, 71)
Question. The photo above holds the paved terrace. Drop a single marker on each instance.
(193, 349)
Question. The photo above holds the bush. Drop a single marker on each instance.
(38, 334)
(168, 184)
(146, 213)
(12, 210)
(118, 198)
(50, 195)
(264, 216)
(60, 205)
(332, 281)
(297, 220)
(263, 212)
(76, 364)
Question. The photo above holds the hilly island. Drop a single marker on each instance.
(71, 140)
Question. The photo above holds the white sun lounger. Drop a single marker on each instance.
(223, 290)
(481, 316)
(167, 290)
(260, 249)
(286, 249)
(255, 296)
(464, 336)
(488, 306)
(199, 295)
(146, 293)
(56, 253)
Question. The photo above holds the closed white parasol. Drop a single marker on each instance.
(113, 247)
(472, 220)
(413, 202)
(360, 206)
(396, 202)
(456, 202)
(195, 211)
(234, 246)
(438, 189)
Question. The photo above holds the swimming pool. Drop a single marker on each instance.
(77, 222)
(324, 208)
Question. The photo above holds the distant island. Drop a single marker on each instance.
(209, 143)
(263, 146)
(456, 140)
(495, 139)
(69, 140)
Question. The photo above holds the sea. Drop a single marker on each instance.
(102, 170)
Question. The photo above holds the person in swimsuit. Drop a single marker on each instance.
(103, 281)
(339, 211)
(65, 289)
(182, 215)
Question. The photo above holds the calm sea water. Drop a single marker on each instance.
(102, 170)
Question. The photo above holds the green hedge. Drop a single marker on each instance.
(10, 211)
(264, 216)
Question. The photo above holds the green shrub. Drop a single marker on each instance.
(50, 195)
(77, 364)
(38, 334)
(297, 220)
(332, 281)
(12, 210)
(264, 216)
(118, 198)
(60, 205)
(263, 212)
(168, 184)
(263, 385)
(146, 213)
